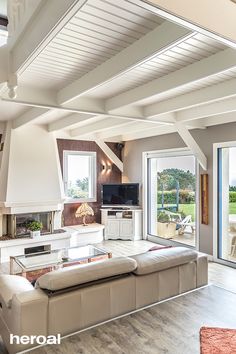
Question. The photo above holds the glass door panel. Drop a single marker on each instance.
(172, 198)
(227, 204)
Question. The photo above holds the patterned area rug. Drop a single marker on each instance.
(218, 340)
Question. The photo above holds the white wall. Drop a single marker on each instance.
(217, 16)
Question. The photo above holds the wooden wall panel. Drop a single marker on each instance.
(113, 176)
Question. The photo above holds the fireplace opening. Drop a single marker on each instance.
(16, 224)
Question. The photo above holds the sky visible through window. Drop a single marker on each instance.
(78, 167)
(185, 163)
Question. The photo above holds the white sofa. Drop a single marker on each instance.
(70, 299)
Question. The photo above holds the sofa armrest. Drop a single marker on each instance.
(202, 269)
(11, 285)
(27, 316)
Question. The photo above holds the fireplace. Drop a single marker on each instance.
(16, 224)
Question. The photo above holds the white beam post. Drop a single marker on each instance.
(165, 119)
(110, 154)
(191, 144)
(155, 42)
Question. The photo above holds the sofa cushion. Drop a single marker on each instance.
(85, 273)
(11, 285)
(165, 258)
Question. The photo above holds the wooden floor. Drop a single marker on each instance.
(166, 329)
(171, 327)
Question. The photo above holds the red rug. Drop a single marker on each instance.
(217, 340)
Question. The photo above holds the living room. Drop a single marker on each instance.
(117, 176)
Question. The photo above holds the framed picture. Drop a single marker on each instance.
(204, 200)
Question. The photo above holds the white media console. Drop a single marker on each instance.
(123, 224)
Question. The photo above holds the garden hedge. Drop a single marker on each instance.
(185, 197)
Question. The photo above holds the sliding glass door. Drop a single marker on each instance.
(171, 196)
(226, 202)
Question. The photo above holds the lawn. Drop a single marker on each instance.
(189, 209)
(232, 208)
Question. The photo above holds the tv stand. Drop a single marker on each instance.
(122, 223)
(120, 208)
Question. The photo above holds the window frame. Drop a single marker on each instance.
(92, 175)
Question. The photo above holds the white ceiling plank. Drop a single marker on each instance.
(50, 18)
(67, 122)
(191, 144)
(196, 98)
(102, 125)
(154, 42)
(110, 154)
(29, 116)
(207, 110)
(199, 70)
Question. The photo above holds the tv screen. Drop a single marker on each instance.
(120, 194)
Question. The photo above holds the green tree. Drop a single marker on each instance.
(169, 177)
(83, 184)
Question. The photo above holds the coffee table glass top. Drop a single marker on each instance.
(57, 257)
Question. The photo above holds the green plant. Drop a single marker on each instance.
(232, 197)
(163, 217)
(34, 226)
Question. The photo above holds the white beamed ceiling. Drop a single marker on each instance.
(181, 55)
(101, 30)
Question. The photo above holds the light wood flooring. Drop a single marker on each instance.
(169, 328)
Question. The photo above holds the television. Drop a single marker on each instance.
(122, 194)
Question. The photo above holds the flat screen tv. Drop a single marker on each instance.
(122, 194)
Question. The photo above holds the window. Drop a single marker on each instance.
(79, 172)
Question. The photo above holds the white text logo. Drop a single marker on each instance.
(40, 340)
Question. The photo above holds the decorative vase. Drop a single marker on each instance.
(34, 234)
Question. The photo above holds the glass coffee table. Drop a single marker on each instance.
(54, 259)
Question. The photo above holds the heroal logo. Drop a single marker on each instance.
(40, 340)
